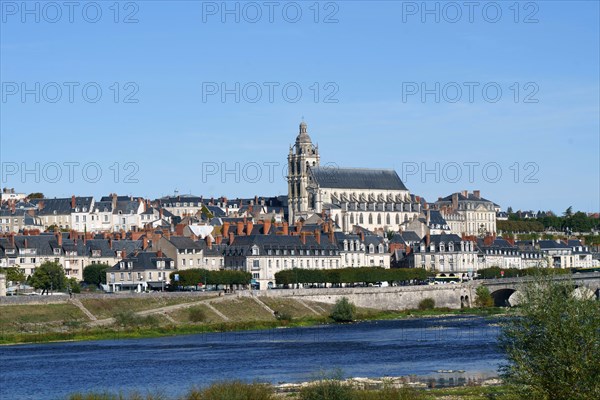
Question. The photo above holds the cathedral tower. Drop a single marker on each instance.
(303, 154)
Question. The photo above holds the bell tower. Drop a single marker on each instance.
(303, 154)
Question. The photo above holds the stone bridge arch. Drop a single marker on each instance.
(506, 297)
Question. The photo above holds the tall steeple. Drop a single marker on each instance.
(302, 156)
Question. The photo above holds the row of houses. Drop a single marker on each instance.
(143, 260)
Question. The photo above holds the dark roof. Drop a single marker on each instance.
(357, 178)
(469, 197)
(410, 237)
(183, 243)
(143, 260)
(552, 244)
(445, 238)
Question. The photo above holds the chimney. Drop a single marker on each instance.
(40, 205)
(325, 227)
(249, 226)
(123, 254)
(231, 238)
(219, 239)
(331, 236)
(465, 193)
(256, 200)
(240, 228)
(160, 213)
(225, 229)
(362, 236)
(266, 226)
(209, 241)
(73, 201)
(477, 193)
(110, 242)
(59, 238)
(12, 239)
(298, 226)
(427, 239)
(318, 236)
(454, 201)
(428, 219)
(285, 230)
(144, 243)
(159, 254)
(303, 237)
(26, 242)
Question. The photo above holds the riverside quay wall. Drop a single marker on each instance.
(453, 296)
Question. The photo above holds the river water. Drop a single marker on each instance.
(171, 365)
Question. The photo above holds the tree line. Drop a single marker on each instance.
(349, 275)
(199, 276)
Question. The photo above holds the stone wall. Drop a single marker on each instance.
(2, 285)
(386, 298)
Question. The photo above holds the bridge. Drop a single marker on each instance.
(505, 291)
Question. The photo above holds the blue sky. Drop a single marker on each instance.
(370, 68)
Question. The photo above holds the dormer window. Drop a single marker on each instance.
(371, 248)
(57, 251)
(130, 265)
(122, 265)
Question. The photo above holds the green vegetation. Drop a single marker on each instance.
(343, 310)
(496, 272)
(106, 308)
(48, 276)
(553, 346)
(349, 275)
(484, 297)
(129, 319)
(194, 277)
(427, 304)
(13, 274)
(35, 195)
(196, 314)
(576, 222)
(323, 389)
(95, 274)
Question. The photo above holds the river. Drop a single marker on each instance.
(171, 365)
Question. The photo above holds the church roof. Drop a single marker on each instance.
(357, 178)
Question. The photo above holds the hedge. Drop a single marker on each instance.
(349, 275)
(192, 277)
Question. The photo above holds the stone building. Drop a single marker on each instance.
(468, 213)
(372, 198)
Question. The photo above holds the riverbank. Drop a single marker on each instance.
(116, 318)
(392, 388)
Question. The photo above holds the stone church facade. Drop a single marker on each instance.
(375, 199)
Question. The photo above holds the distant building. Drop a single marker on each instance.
(140, 271)
(375, 199)
(468, 213)
(444, 253)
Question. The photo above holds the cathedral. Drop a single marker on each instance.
(375, 199)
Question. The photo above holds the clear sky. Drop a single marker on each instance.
(203, 97)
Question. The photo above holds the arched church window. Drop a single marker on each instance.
(378, 219)
(352, 218)
(361, 220)
(387, 219)
(370, 218)
(398, 218)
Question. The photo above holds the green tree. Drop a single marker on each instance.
(484, 297)
(14, 274)
(568, 212)
(95, 274)
(343, 310)
(48, 276)
(427, 304)
(35, 195)
(553, 345)
(73, 285)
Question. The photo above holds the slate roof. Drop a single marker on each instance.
(552, 244)
(184, 243)
(63, 206)
(469, 197)
(357, 178)
(410, 237)
(144, 260)
(266, 242)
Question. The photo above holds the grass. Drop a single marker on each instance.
(242, 309)
(106, 308)
(60, 322)
(328, 389)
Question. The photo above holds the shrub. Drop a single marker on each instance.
(327, 389)
(129, 319)
(196, 314)
(283, 316)
(427, 304)
(234, 390)
(343, 310)
(553, 345)
(390, 393)
(484, 298)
